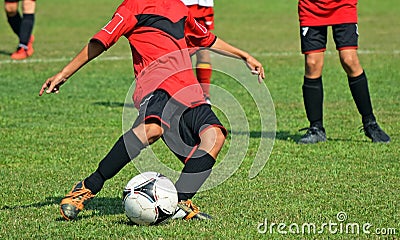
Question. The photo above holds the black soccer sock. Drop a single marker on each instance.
(195, 172)
(126, 148)
(360, 92)
(313, 96)
(15, 23)
(26, 28)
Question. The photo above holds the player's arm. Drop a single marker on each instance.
(226, 49)
(89, 52)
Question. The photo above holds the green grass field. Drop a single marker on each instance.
(48, 143)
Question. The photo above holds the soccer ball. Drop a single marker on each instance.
(150, 198)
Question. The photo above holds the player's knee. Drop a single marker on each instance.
(350, 61)
(148, 133)
(153, 132)
(314, 64)
(212, 141)
(11, 9)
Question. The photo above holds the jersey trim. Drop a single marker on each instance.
(164, 24)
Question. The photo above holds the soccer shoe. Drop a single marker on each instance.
(313, 135)
(75, 201)
(24, 52)
(187, 210)
(375, 133)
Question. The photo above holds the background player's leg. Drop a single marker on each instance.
(313, 97)
(358, 84)
(25, 46)
(13, 16)
(204, 71)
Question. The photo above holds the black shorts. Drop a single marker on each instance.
(182, 125)
(314, 39)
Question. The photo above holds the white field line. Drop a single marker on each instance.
(128, 57)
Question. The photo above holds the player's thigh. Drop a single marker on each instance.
(345, 36)
(185, 133)
(205, 125)
(313, 39)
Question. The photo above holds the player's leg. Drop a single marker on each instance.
(25, 47)
(146, 130)
(313, 45)
(346, 39)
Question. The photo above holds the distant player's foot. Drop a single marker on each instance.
(375, 133)
(313, 135)
(187, 210)
(75, 201)
(24, 51)
(208, 100)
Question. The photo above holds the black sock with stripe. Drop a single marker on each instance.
(124, 150)
(195, 172)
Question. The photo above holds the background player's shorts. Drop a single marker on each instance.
(182, 125)
(314, 39)
(203, 15)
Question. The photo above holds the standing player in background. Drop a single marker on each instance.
(203, 12)
(315, 17)
(169, 98)
(22, 26)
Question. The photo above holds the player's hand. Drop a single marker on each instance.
(53, 84)
(256, 68)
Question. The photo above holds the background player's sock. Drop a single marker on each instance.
(203, 73)
(15, 23)
(313, 96)
(127, 147)
(360, 92)
(194, 174)
(26, 28)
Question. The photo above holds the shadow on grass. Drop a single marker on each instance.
(103, 206)
(2, 52)
(114, 104)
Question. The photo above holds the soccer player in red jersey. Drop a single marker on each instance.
(22, 26)
(203, 12)
(315, 17)
(168, 96)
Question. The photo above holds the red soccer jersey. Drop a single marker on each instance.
(327, 12)
(159, 33)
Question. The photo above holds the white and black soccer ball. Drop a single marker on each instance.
(150, 198)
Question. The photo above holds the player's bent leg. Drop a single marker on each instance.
(196, 171)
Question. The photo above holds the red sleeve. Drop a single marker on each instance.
(121, 23)
(196, 35)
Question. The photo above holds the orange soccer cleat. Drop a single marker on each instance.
(75, 201)
(24, 52)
